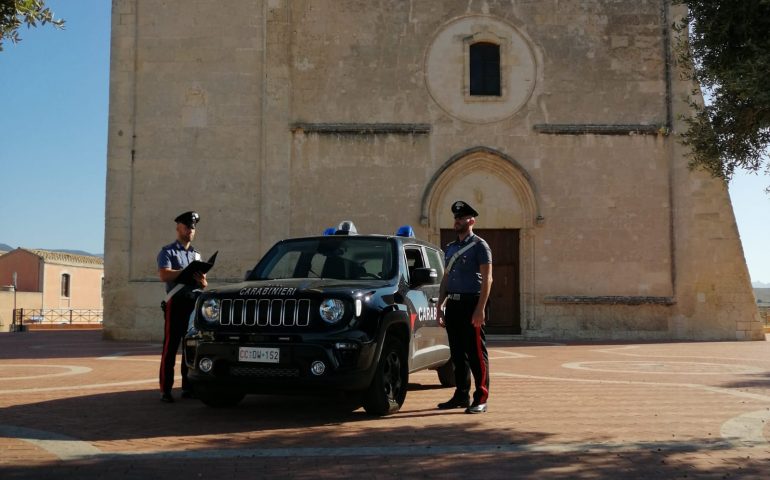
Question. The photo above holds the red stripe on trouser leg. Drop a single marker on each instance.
(165, 352)
(483, 366)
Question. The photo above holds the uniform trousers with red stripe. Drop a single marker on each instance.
(177, 314)
(468, 348)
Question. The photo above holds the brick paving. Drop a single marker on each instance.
(74, 406)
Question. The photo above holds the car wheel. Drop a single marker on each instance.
(387, 392)
(219, 399)
(446, 374)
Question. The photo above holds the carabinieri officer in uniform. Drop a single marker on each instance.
(465, 289)
(180, 300)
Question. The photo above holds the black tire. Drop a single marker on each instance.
(387, 392)
(446, 374)
(219, 399)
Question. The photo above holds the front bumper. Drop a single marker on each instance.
(349, 364)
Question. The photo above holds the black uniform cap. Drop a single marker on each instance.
(462, 209)
(188, 218)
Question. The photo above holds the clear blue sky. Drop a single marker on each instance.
(53, 141)
(54, 88)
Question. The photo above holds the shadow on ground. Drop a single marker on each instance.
(190, 440)
(39, 345)
(302, 437)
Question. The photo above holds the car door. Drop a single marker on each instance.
(435, 341)
(428, 343)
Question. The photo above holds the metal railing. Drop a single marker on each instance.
(57, 316)
(764, 315)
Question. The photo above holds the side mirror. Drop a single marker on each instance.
(424, 276)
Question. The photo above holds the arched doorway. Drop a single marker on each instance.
(505, 197)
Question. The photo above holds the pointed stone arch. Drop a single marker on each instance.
(506, 197)
(488, 160)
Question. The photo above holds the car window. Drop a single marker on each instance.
(413, 258)
(285, 266)
(337, 257)
(435, 260)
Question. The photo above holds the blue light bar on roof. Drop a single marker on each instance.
(405, 231)
(346, 228)
(330, 231)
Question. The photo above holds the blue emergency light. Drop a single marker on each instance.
(405, 231)
(330, 231)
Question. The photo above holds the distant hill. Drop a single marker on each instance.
(81, 252)
(7, 248)
(760, 285)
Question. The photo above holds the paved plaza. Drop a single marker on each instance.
(74, 406)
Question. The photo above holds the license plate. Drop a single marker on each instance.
(261, 355)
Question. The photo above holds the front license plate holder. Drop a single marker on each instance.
(259, 355)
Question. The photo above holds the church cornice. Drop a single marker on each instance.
(363, 128)
(600, 129)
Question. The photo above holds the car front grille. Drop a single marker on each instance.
(263, 372)
(265, 312)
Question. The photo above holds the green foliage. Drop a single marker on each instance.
(14, 13)
(724, 46)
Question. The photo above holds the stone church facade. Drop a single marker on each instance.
(555, 119)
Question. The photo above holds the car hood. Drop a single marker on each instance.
(296, 286)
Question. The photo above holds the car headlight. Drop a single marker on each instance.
(210, 310)
(332, 310)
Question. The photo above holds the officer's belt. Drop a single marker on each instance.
(463, 296)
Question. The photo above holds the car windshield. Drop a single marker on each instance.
(337, 257)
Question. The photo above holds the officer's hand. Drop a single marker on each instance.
(201, 279)
(478, 318)
(440, 317)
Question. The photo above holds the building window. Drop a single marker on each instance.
(485, 69)
(65, 285)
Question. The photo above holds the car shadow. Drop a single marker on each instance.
(139, 414)
(272, 436)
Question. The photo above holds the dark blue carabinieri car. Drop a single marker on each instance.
(345, 312)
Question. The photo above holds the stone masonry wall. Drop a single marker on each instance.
(292, 116)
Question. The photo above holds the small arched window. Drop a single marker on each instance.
(65, 285)
(485, 69)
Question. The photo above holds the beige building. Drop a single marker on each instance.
(554, 119)
(51, 287)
